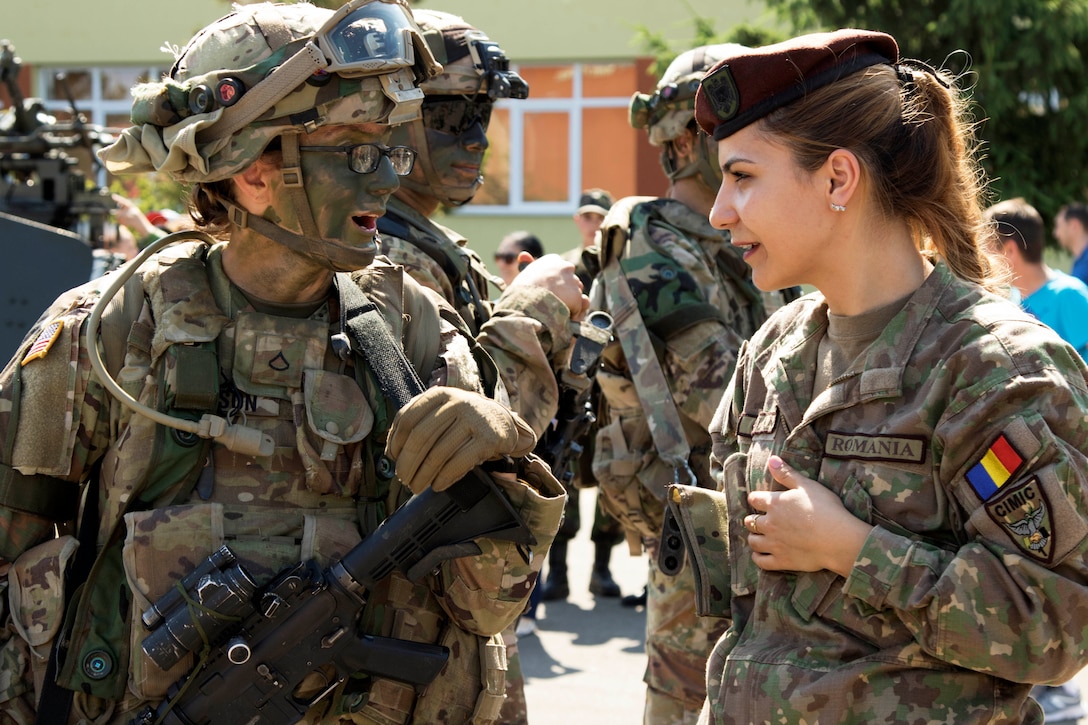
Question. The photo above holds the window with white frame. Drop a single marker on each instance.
(570, 134)
(100, 94)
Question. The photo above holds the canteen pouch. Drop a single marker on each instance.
(703, 516)
(35, 596)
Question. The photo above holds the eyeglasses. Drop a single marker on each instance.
(364, 158)
(455, 114)
(507, 257)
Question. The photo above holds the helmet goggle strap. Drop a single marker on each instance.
(362, 38)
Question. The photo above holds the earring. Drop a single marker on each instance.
(838, 207)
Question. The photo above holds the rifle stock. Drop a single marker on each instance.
(304, 620)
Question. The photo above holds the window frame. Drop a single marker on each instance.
(573, 107)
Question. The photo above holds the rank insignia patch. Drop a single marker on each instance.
(46, 338)
(997, 465)
(1024, 512)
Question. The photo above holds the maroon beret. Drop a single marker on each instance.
(752, 82)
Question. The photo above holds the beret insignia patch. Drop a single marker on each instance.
(721, 91)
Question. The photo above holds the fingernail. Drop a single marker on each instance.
(775, 462)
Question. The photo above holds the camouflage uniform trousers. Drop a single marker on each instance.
(677, 645)
(514, 707)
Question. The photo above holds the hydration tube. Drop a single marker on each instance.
(237, 438)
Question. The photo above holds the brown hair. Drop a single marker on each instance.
(1017, 221)
(913, 136)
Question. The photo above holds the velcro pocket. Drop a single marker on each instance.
(36, 591)
(704, 523)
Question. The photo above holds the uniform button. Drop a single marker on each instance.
(97, 664)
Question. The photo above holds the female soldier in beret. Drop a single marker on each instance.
(901, 452)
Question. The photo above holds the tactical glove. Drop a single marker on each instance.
(442, 434)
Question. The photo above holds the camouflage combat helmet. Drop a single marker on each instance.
(268, 71)
(473, 67)
(671, 108)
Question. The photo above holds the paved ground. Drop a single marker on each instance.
(586, 661)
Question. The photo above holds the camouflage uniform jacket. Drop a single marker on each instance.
(695, 296)
(959, 434)
(527, 331)
(326, 485)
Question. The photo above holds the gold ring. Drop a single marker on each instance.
(752, 526)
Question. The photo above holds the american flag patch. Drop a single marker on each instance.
(46, 338)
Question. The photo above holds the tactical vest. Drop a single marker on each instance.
(190, 346)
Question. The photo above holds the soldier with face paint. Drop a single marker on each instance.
(528, 330)
(218, 393)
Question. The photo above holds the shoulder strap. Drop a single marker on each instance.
(651, 385)
(369, 337)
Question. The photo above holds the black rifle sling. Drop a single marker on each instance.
(370, 338)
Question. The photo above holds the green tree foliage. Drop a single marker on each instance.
(1026, 63)
(662, 51)
(152, 192)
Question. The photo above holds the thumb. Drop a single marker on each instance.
(782, 473)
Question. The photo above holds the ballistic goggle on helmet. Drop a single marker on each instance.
(269, 69)
(669, 110)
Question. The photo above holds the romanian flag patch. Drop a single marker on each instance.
(999, 464)
(46, 338)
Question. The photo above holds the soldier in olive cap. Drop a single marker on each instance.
(683, 304)
(252, 394)
(900, 531)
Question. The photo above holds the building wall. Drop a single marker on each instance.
(73, 33)
(103, 32)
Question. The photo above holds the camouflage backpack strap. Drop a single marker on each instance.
(456, 264)
(631, 330)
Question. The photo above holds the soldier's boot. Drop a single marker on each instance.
(556, 586)
(601, 583)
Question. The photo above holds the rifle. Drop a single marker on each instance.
(268, 640)
(563, 441)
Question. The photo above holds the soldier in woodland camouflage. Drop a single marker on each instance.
(528, 329)
(696, 305)
(900, 534)
(280, 115)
